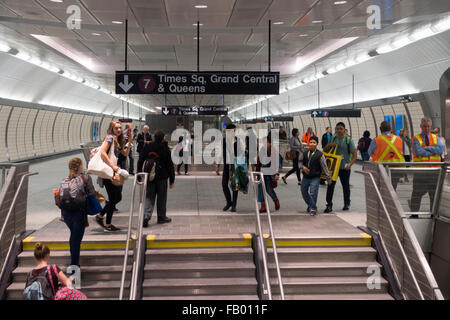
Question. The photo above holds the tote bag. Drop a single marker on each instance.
(99, 168)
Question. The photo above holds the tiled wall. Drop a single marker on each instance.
(27, 133)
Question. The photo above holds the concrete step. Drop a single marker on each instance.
(191, 287)
(199, 254)
(92, 289)
(322, 269)
(327, 285)
(338, 296)
(205, 297)
(87, 258)
(204, 269)
(88, 273)
(323, 254)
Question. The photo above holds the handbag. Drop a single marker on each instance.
(99, 168)
(65, 293)
(93, 205)
(290, 155)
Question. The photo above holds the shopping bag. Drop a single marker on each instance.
(333, 163)
(99, 168)
(69, 294)
(93, 205)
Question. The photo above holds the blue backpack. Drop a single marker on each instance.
(38, 287)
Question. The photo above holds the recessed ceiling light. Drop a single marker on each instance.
(200, 24)
(195, 38)
(278, 22)
(317, 21)
(303, 35)
(340, 2)
(117, 22)
(56, 1)
(96, 34)
(201, 6)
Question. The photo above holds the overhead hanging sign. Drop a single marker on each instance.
(194, 110)
(185, 82)
(279, 118)
(336, 113)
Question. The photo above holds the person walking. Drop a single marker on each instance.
(363, 145)
(143, 138)
(426, 147)
(77, 185)
(326, 138)
(307, 135)
(179, 147)
(270, 174)
(312, 165)
(128, 142)
(295, 145)
(229, 152)
(345, 147)
(159, 152)
(114, 139)
(387, 148)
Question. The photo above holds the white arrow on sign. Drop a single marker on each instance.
(315, 114)
(166, 111)
(127, 85)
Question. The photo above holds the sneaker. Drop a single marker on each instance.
(99, 221)
(228, 206)
(233, 209)
(263, 208)
(345, 208)
(116, 210)
(145, 224)
(284, 179)
(313, 213)
(328, 209)
(111, 228)
(186, 173)
(164, 220)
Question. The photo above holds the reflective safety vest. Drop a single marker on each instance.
(389, 149)
(433, 142)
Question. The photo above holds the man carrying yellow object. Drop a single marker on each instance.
(426, 147)
(387, 148)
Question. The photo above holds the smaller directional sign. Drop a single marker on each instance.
(194, 110)
(279, 118)
(336, 113)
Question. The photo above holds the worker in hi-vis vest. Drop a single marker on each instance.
(387, 148)
(426, 147)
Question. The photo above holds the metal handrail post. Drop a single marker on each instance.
(261, 235)
(13, 203)
(137, 263)
(275, 253)
(405, 258)
(127, 245)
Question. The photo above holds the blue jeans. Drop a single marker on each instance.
(269, 190)
(310, 191)
(365, 156)
(76, 222)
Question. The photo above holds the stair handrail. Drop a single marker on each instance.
(261, 235)
(13, 203)
(136, 259)
(405, 258)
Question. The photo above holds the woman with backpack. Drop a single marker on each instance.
(38, 285)
(363, 145)
(73, 193)
(114, 139)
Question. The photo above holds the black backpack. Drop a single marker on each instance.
(38, 287)
(151, 165)
(70, 197)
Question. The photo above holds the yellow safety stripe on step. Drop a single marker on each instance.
(153, 242)
(28, 245)
(322, 243)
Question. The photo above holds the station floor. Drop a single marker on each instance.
(195, 206)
